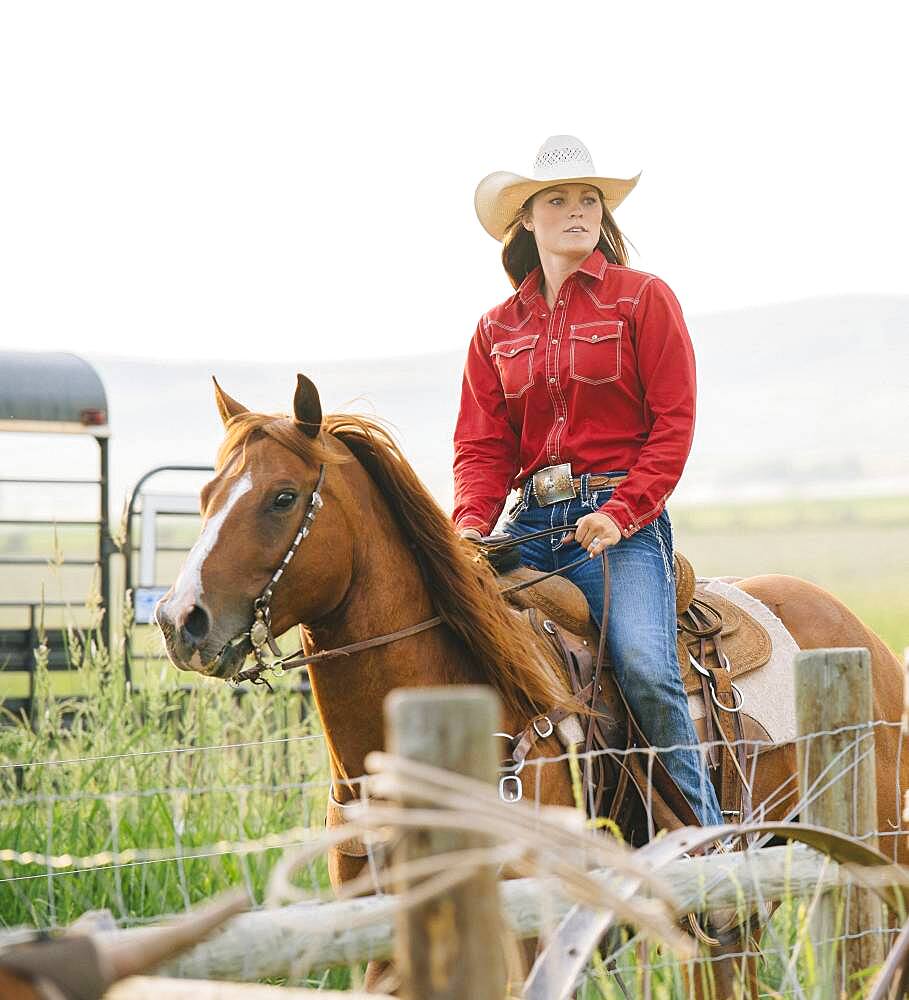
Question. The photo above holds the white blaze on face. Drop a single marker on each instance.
(188, 588)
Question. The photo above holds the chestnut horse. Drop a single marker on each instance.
(380, 555)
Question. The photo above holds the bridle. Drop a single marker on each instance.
(259, 632)
(265, 649)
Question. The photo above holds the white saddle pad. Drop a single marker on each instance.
(768, 691)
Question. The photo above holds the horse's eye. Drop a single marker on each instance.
(284, 500)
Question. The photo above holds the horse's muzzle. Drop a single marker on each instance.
(186, 634)
(231, 659)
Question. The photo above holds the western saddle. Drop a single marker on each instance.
(716, 643)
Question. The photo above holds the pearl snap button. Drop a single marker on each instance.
(561, 420)
(561, 302)
(594, 337)
(552, 380)
(554, 340)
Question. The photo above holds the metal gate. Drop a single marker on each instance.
(160, 529)
(44, 400)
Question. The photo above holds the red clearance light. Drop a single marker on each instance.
(93, 418)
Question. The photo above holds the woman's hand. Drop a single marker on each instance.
(471, 534)
(595, 532)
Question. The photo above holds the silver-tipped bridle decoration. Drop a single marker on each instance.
(260, 633)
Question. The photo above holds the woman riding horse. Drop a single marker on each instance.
(579, 391)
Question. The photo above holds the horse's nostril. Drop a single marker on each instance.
(197, 625)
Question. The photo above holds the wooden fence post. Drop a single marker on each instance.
(837, 777)
(452, 946)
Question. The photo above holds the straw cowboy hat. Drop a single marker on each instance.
(561, 158)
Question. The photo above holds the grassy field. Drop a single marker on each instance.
(129, 771)
(856, 549)
(163, 773)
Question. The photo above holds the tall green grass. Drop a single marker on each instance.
(118, 769)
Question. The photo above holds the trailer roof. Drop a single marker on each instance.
(51, 393)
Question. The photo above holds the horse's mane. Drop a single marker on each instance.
(461, 585)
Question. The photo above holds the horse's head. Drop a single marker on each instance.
(268, 468)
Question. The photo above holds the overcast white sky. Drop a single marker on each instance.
(295, 180)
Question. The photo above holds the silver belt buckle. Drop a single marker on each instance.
(554, 483)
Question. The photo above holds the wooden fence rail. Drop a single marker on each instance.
(268, 943)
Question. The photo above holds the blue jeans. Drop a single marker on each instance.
(640, 637)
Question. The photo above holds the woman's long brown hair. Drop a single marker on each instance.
(520, 255)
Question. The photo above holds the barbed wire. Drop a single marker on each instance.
(700, 747)
(131, 855)
(157, 753)
(45, 798)
(706, 744)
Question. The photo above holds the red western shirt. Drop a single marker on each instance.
(605, 380)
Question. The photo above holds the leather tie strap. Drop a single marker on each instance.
(354, 647)
(696, 620)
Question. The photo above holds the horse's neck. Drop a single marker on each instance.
(387, 593)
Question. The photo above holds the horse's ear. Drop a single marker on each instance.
(227, 406)
(307, 408)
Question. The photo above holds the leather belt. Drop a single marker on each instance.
(555, 483)
(599, 482)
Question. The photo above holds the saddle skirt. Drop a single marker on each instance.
(743, 639)
(768, 693)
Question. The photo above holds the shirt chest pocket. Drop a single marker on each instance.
(514, 360)
(595, 351)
